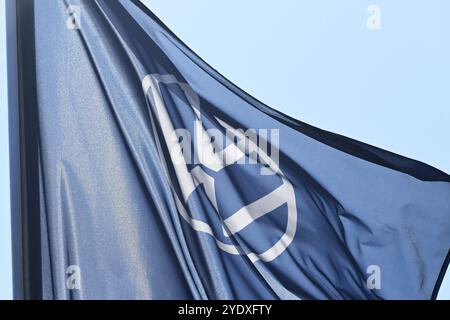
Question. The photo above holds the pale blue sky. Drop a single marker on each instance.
(5, 225)
(318, 61)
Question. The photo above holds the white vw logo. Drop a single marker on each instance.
(215, 161)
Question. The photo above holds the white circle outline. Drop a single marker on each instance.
(152, 81)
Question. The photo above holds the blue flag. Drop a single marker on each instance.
(160, 179)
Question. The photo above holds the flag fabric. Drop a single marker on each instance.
(160, 179)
